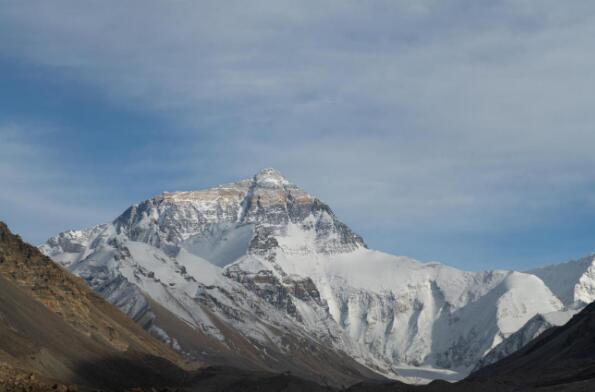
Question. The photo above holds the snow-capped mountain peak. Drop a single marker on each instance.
(270, 177)
(263, 261)
(252, 214)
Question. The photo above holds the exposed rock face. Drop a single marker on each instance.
(268, 287)
(279, 292)
(266, 271)
(268, 202)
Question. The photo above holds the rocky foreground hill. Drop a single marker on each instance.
(55, 331)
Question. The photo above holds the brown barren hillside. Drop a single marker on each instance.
(53, 327)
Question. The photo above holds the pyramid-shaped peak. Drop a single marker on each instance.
(270, 177)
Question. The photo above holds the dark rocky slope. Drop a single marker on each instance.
(54, 328)
(561, 359)
(560, 356)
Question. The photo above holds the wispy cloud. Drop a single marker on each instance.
(408, 117)
(38, 193)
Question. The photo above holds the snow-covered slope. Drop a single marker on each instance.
(532, 329)
(267, 272)
(572, 282)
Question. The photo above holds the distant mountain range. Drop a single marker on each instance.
(262, 276)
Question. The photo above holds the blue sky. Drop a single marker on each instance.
(457, 131)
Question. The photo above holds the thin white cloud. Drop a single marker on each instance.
(464, 113)
(38, 194)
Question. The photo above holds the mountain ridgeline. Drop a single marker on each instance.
(260, 275)
(57, 335)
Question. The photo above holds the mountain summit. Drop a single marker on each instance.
(260, 273)
(270, 177)
(252, 215)
(194, 258)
